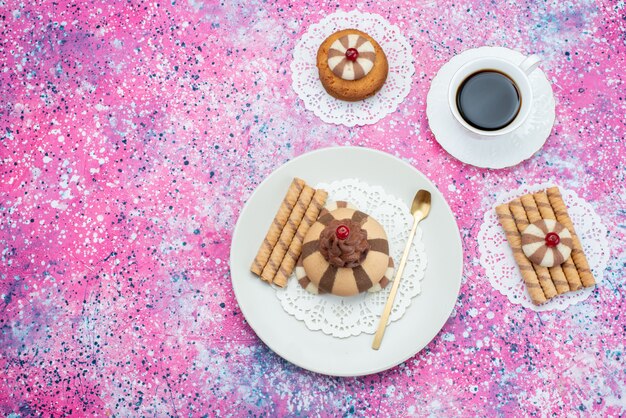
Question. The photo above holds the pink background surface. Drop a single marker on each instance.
(131, 134)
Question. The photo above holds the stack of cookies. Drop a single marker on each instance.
(282, 245)
(545, 245)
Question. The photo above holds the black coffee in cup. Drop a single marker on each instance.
(488, 100)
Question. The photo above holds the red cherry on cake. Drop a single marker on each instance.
(552, 239)
(342, 232)
(352, 54)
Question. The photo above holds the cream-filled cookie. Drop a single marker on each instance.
(547, 243)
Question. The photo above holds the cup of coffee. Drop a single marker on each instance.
(492, 96)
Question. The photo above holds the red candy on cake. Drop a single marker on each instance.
(342, 232)
(352, 54)
(552, 239)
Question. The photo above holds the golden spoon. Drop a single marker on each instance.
(419, 209)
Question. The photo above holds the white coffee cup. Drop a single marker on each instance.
(518, 73)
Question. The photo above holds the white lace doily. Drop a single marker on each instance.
(306, 82)
(347, 316)
(497, 258)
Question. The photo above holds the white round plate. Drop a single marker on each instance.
(500, 151)
(353, 356)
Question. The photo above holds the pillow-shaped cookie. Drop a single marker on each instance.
(352, 66)
(345, 252)
(547, 243)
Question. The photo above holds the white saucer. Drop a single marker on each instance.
(500, 151)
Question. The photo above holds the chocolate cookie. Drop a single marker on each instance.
(352, 66)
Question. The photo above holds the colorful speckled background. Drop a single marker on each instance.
(131, 134)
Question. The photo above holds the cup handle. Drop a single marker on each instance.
(530, 63)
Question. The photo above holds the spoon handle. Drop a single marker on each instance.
(380, 332)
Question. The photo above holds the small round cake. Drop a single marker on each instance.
(352, 66)
(345, 252)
